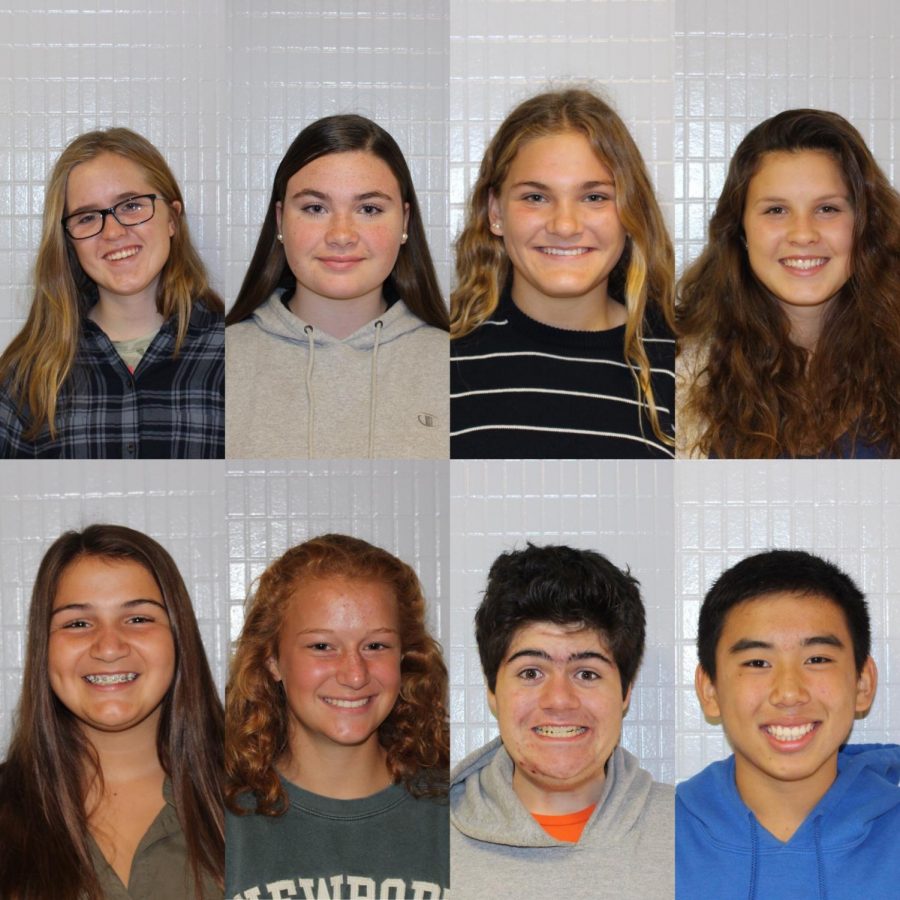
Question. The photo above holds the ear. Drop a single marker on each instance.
(866, 685)
(278, 216)
(406, 217)
(175, 213)
(492, 702)
(706, 693)
(626, 700)
(272, 666)
(493, 210)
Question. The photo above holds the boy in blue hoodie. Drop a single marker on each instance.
(783, 644)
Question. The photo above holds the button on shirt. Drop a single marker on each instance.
(169, 408)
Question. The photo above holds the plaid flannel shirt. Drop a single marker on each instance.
(170, 408)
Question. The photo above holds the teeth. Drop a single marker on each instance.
(782, 733)
(560, 251)
(346, 704)
(122, 254)
(559, 731)
(111, 679)
(803, 263)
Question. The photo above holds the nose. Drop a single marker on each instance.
(565, 220)
(353, 671)
(559, 693)
(112, 227)
(788, 687)
(341, 231)
(109, 644)
(803, 229)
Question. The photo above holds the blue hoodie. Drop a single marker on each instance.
(847, 848)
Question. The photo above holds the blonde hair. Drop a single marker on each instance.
(644, 276)
(36, 364)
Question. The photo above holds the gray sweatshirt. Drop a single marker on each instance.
(498, 850)
(294, 391)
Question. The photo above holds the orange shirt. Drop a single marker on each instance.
(567, 827)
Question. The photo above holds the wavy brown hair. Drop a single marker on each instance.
(644, 277)
(415, 734)
(35, 366)
(51, 763)
(756, 394)
(413, 278)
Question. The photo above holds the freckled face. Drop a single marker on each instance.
(124, 261)
(559, 706)
(798, 223)
(342, 221)
(559, 221)
(786, 688)
(111, 654)
(339, 661)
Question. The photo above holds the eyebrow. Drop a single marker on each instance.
(828, 640)
(573, 657)
(126, 195)
(128, 604)
(822, 199)
(319, 195)
(544, 187)
(334, 631)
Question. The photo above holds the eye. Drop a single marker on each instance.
(378, 645)
(774, 211)
(829, 209)
(319, 646)
(77, 624)
(87, 218)
(140, 620)
(597, 198)
(314, 209)
(818, 660)
(534, 198)
(529, 674)
(756, 664)
(587, 675)
(131, 206)
(370, 209)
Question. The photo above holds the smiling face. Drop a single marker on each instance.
(342, 222)
(798, 223)
(122, 261)
(557, 214)
(787, 691)
(559, 704)
(111, 654)
(338, 658)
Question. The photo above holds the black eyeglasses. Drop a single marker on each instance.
(90, 222)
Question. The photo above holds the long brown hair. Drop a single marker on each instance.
(51, 763)
(413, 278)
(643, 278)
(756, 394)
(36, 364)
(415, 734)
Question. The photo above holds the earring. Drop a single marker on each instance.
(280, 238)
(495, 226)
(403, 237)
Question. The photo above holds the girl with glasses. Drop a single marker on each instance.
(112, 784)
(564, 300)
(337, 343)
(122, 354)
(337, 741)
(789, 321)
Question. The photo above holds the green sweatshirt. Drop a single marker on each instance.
(389, 845)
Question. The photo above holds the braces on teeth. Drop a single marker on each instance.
(110, 679)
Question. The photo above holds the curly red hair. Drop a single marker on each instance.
(415, 734)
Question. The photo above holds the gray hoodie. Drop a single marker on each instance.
(498, 850)
(294, 391)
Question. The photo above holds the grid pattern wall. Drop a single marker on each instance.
(180, 504)
(844, 511)
(399, 505)
(294, 62)
(503, 51)
(155, 66)
(621, 509)
(740, 62)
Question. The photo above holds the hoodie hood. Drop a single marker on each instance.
(723, 851)
(484, 806)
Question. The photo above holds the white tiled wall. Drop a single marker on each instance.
(398, 505)
(621, 509)
(843, 510)
(503, 51)
(180, 504)
(741, 61)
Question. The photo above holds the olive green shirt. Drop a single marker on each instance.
(160, 869)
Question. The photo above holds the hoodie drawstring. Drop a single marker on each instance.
(754, 857)
(311, 413)
(373, 384)
(820, 868)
